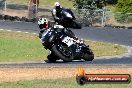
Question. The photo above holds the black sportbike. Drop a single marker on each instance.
(63, 47)
(68, 19)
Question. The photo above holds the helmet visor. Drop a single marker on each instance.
(57, 7)
(45, 25)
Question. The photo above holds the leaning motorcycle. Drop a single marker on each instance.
(68, 20)
(63, 47)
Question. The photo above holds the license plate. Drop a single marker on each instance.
(68, 41)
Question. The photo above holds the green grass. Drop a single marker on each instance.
(49, 3)
(105, 49)
(59, 83)
(16, 47)
(20, 47)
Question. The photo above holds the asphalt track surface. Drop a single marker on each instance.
(106, 34)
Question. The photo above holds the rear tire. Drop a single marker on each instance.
(60, 54)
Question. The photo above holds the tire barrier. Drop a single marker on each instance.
(7, 17)
(119, 27)
(16, 18)
(1, 17)
(130, 27)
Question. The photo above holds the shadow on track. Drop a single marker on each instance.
(123, 60)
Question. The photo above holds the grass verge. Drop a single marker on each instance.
(105, 49)
(15, 46)
(59, 83)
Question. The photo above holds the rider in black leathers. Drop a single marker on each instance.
(56, 13)
(44, 25)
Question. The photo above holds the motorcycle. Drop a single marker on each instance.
(68, 20)
(63, 47)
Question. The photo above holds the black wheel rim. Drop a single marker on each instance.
(64, 50)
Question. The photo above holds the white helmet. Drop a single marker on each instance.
(57, 4)
(43, 23)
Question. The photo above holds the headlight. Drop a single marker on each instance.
(58, 26)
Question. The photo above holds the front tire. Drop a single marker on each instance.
(89, 56)
(63, 51)
(52, 57)
(76, 25)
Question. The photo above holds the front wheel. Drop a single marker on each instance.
(89, 56)
(63, 51)
(76, 25)
(52, 57)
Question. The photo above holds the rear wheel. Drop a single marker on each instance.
(63, 51)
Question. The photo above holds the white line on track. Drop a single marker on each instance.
(35, 33)
(18, 31)
(9, 30)
(26, 32)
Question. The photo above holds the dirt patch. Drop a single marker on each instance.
(113, 22)
(16, 74)
(27, 14)
(11, 12)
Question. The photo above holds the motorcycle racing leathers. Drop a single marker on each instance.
(57, 14)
